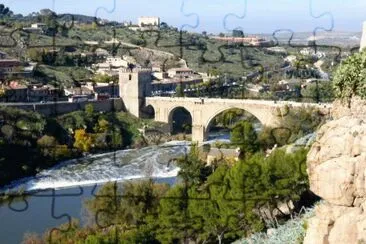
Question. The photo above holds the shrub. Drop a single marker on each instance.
(350, 77)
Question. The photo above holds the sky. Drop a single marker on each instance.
(214, 16)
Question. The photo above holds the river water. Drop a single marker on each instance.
(73, 181)
(60, 191)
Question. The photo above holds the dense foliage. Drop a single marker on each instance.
(318, 92)
(244, 136)
(30, 142)
(295, 124)
(350, 77)
(220, 205)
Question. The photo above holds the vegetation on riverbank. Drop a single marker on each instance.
(30, 142)
(211, 204)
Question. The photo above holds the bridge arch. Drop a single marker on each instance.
(210, 118)
(222, 110)
(182, 122)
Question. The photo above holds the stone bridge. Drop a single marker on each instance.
(203, 110)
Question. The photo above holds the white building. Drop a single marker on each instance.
(38, 25)
(148, 20)
(311, 52)
(181, 72)
(111, 66)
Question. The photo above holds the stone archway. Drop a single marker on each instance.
(237, 111)
(180, 120)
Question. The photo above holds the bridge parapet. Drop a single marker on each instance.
(184, 100)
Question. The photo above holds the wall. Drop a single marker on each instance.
(66, 107)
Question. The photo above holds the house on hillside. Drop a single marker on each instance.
(110, 89)
(38, 28)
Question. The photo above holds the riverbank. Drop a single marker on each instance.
(30, 142)
(35, 214)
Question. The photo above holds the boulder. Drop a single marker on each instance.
(336, 165)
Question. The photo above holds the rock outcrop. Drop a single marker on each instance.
(337, 173)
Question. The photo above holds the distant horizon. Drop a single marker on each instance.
(259, 17)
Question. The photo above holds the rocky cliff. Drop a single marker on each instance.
(337, 173)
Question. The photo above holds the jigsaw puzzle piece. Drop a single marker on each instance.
(108, 10)
(196, 18)
(303, 9)
(54, 195)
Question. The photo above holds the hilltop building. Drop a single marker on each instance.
(252, 41)
(36, 28)
(148, 21)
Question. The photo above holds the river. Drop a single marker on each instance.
(69, 183)
(73, 181)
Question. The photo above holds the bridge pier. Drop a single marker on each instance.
(198, 133)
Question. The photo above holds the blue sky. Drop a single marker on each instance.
(261, 16)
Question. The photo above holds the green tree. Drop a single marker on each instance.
(175, 223)
(318, 92)
(350, 77)
(35, 55)
(192, 169)
(137, 208)
(298, 122)
(102, 126)
(89, 110)
(50, 148)
(238, 33)
(244, 136)
(116, 138)
(179, 91)
(219, 217)
(266, 138)
(100, 78)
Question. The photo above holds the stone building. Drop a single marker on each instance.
(110, 89)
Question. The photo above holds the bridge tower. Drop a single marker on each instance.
(134, 86)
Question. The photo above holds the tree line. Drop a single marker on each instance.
(209, 204)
